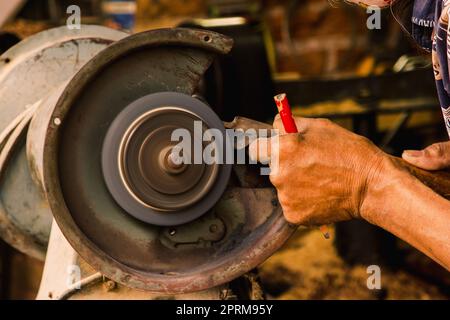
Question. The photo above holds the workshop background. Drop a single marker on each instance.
(374, 82)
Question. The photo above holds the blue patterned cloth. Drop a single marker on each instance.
(430, 30)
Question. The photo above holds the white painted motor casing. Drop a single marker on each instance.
(30, 74)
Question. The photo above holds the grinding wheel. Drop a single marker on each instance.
(132, 215)
(135, 160)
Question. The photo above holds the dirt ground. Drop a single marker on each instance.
(308, 267)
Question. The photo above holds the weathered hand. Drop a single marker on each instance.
(324, 173)
(434, 157)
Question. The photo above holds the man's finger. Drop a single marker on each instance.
(301, 123)
(434, 157)
(259, 150)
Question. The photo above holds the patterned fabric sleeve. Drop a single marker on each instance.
(440, 56)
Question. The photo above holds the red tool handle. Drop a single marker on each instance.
(284, 109)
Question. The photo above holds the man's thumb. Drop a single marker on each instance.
(434, 157)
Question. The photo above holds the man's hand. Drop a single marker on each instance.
(328, 174)
(434, 157)
(324, 173)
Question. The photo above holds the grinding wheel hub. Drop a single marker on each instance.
(143, 172)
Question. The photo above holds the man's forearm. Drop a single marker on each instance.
(401, 204)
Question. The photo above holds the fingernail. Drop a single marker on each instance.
(413, 153)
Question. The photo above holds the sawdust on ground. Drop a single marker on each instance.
(308, 267)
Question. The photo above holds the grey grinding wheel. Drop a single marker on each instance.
(132, 170)
(142, 223)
